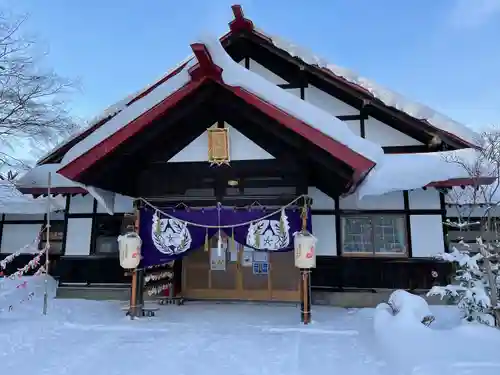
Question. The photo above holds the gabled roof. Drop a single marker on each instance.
(312, 123)
(390, 101)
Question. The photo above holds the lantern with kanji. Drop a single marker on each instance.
(129, 246)
(305, 250)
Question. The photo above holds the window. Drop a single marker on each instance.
(56, 235)
(374, 235)
(108, 228)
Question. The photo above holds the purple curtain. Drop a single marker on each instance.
(171, 239)
(166, 239)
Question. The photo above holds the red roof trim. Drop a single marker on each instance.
(240, 23)
(75, 168)
(462, 182)
(338, 150)
(205, 67)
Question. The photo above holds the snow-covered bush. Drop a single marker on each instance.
(472, 293)
(411, 306)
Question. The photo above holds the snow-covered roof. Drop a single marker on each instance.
(37, 177)
(12, 201)
(388, 97)
(396, 172)
(234, 74)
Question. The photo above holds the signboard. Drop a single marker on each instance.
(217, 259)
(260, 268)
(218, 146)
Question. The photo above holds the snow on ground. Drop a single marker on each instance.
(93, 337)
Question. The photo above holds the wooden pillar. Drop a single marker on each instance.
(305, 295)
(136, 295)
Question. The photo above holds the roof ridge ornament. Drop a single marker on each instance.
(240, 23)
(206, 68)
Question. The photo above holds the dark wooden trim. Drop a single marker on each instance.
(338, 227)
(419, 211)
(406, 149)
(65, 233)
(33, 221)
(362, 126)
(292, 85)
(1, 230)
(93, 233)
(247, 62)
(442, 202)
(359, 117)
(406, 200)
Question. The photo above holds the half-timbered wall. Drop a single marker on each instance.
(369, 128)
(240, 148)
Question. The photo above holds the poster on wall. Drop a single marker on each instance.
(247, 258)
(260, 268)
(217, 259)
(260, 256)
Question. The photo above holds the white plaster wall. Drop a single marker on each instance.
(123, 204)
(78, 236)
(385, 135)
(240, 148)
(426, 235)
(421, 199)
(327, 102)
(323, 227)
(81, 204)
(321, 201)
(264, 72)
(16, 236)
(390, 201)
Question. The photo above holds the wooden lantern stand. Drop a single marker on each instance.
(305, 295)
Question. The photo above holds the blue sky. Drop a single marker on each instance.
(444, 53)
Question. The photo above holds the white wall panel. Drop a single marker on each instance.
(327, 102)
(385, 135)
(17, 236)
(427, 238)
(323, 227)
(264, 72)
(390, 201)
(321, 201)
(123, 204)
(421, 199)
(78, 236)
(81, 204)
(240, 148)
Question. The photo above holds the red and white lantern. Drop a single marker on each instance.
(129, 246)
(305, 250)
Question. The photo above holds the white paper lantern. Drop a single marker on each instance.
(129, 246)
(305, 250)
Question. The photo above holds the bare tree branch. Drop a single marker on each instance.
(32, 105)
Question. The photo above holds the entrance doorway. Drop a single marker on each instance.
(240, 273)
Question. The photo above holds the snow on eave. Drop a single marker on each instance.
(135, 109)
(111, 111)
(233, 74)
(37, 177)
(388, 97)
(397, 172)
(12, 201)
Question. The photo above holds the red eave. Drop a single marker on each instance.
(359, 163)
(205, 70)
(462, 182)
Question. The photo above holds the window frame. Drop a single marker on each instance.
(95, 233)
(43, 236)
(374, 253)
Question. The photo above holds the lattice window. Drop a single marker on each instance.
(374, 235)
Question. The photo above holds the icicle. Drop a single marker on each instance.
(206, 239)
